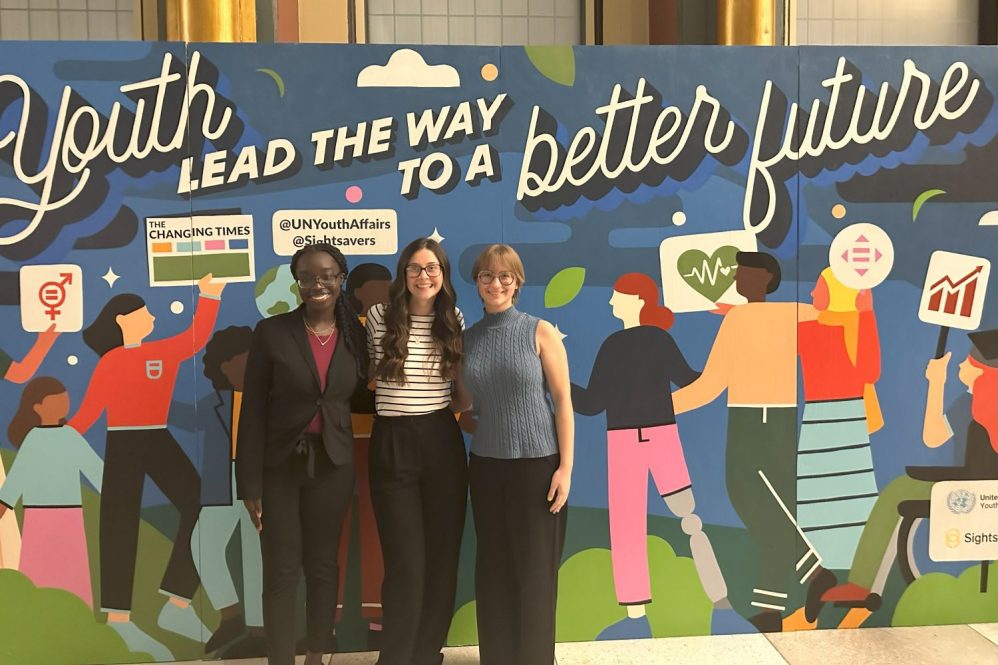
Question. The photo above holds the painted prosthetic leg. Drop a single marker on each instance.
(682, 504)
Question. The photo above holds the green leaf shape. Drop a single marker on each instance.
(564, 286)
(710, 276)
(277, 78)
(554, 62)
(922, 198)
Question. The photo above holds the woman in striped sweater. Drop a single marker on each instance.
(418, 466)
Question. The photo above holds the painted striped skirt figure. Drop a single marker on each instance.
(840, 361)
(836, 488)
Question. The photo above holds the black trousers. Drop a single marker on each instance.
(302, 521)
(130, 456)
(516, 566)
(419, 487)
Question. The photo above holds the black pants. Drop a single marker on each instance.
(419, 487)
(516, 567)
(302, 521)
(130, 456)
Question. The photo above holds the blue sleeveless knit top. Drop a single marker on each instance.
(502, 372)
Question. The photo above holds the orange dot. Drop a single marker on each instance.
(490, 72)
(838, 211)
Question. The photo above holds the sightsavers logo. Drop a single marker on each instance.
(980, 538)
(954, 537)
(960, 502)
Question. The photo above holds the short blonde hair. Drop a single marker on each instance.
(496, 255)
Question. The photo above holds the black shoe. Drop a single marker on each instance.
(228, 631)
(769, 621)
(373, 639)
(823, 581)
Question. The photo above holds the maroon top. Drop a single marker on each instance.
(323, 355)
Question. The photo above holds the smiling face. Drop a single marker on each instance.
(422, 286)
(495, 295)
(319, 281)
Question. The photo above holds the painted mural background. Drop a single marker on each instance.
(139, 168)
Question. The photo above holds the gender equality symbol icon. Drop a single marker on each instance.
(51, 297)
(52, 294)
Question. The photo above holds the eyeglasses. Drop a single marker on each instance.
(328, 281)
(431, 270)
(487, 276)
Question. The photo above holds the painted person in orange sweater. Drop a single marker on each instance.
(754, 359)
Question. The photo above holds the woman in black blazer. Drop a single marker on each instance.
(294, 455)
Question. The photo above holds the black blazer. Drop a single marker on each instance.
(281, 396)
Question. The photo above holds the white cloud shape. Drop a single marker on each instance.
(407, 69)
(989, 218)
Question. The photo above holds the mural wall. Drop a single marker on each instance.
(795, 243)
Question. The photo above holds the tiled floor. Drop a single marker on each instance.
(967, 645)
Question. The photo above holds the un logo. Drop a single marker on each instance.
(960, 502)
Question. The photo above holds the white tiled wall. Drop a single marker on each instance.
(887, 22)
(474, 21)
(68, 19)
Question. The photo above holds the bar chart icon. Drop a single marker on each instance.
(954, 290)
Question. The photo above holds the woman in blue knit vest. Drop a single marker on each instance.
(521, 465)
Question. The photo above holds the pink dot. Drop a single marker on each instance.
(354, 194)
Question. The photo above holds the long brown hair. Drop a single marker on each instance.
(446, 329)
(25, 418)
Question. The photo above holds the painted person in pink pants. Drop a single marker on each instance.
(632, 382)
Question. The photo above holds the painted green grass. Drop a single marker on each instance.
(53, 627)
(938, 598)
(587, 602)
